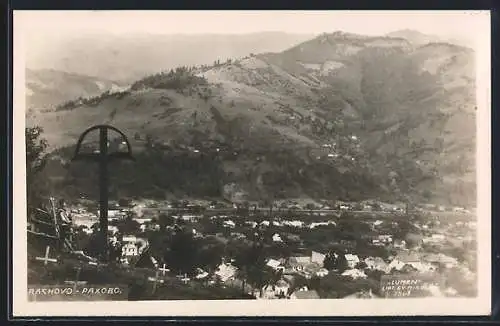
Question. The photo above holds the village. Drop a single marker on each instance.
(340, 250)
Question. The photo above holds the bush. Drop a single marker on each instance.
(177, 79)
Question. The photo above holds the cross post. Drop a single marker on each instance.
(164, 269)
(46, 259)
(155, 280)
(103, 157)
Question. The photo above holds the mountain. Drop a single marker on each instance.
(415, 37)
(341, 116)
(47, 88)
(126, 58)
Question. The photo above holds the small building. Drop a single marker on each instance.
(226, 272)
(277, 238)
(130, 250)
(201, 274)
(229, 224)
(129, 239)
(385, 238)
(318, 258)
(352, 260)
(354, 273)
(275, 265)
(322, 272)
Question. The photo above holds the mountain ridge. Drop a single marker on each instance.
(335, 116)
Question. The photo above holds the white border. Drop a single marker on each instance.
(324, 307)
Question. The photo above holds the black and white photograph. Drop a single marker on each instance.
(240, 162)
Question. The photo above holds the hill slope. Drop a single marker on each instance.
(47, 88)
(339, 116)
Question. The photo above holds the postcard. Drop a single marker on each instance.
(237, 163)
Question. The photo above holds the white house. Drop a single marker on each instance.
(226, 272)
(354, 273)
(129, 250)
(396, 264)
(352, 260)
(129, 239)
(275, 265)
(201, 274)
(277, 238)
(229, 224)
(322, 272)
(385, 238)
(318, 258)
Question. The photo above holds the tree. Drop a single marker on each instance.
(165, 220)
(333, 262)
(128, 226)
(183, 252)
(36, 159)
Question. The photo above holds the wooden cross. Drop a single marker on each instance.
(103, 158)
(156, 280)
(46, 259)
(76, 282)
(164, 269)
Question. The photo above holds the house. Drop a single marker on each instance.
(385, 238)
(352, 260)
(395, 264)
(354, 273)
(129, 250)
(229, 224)
(252, 223)
(226, 272)
(201, 274)
(318, 258)
(322, 272)
(275, 265)
(112, 229)
(129, 239)
(375, 263)
(312, 294)
(277, 238)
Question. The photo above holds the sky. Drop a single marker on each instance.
(458, 24)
